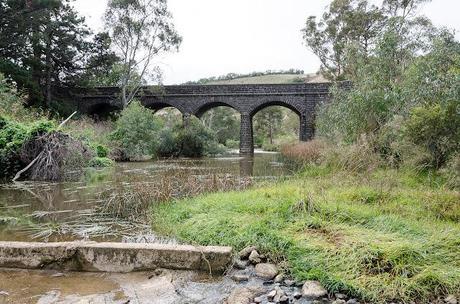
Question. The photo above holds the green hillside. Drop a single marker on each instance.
(275, 78)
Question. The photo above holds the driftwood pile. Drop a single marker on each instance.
(52, 155)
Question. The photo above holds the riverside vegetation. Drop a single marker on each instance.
(374, 210)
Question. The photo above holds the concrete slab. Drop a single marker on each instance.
(113, 257)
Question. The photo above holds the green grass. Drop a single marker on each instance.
(383, 236)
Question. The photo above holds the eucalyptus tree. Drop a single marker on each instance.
(140, 30)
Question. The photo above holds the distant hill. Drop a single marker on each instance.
(256, 78)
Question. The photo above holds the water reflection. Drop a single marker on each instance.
(79, 210)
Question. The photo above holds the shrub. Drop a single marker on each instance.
(195, 140)
(101, 162)
(167, 144)
(437, 129)
(233, 144)
(136, 131)
(102, 151)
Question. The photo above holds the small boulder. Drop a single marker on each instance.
(289, 282)
(284, 299)
(279, 278)
(339, 301)
(352, 301)
(258, 300)
(240, 277)
(254, 257)
(266, 270)
(244, 253)
(243, 295)
(239, 264)
(451, 299)
(271, 295)
(340, 296)
(313, 290)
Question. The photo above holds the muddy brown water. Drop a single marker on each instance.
(41, 211)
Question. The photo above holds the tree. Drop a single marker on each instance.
(350, 30)
(268, 122)
(224, 121)
(42, 44)
(347, 23)
(140, 30)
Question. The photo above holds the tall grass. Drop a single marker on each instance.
(382, 235)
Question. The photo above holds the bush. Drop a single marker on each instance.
(195, 140)
(167, 144)
(101, 162)
(137, 131)
(437, 129)
(102, 151)
(232, 144)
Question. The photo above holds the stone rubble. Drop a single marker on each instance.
(273, 286)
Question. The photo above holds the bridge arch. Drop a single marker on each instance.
(279, 103)
(212, 105)
(160, 105)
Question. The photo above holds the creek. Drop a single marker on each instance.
(79, 210)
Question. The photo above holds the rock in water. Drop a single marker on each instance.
(266, 270)
(244, 253)
(313, 290)
(239, 264)
(279, 278)
(254, 257)
(243, 295)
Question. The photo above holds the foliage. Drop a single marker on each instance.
(437, 129)
(102, 151)
(384, 236)
(347, 24)
(195, 140)
(404, 95)
(140, 31)
(44, 44)
(136, 131)
(224, 121)
(101, 162)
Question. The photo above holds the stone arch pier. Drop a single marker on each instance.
(247, 100)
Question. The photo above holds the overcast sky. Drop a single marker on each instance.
(242, 36)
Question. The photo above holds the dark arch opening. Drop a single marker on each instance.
(275, 124)
(102, 111)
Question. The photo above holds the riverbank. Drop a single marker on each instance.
(382, 236)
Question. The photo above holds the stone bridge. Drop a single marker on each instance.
(197, 99)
